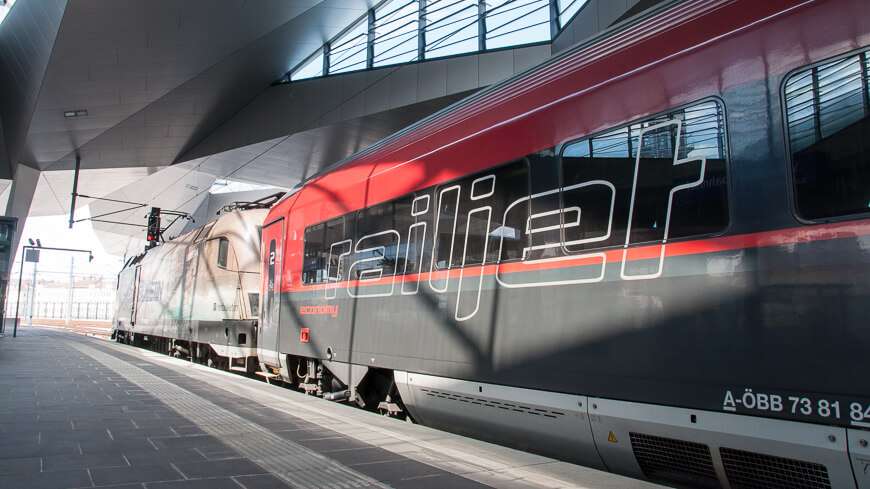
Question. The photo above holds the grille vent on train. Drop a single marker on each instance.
(749, 470)
(678, 462)
(490, 403)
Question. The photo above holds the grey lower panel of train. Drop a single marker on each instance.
(694, 448)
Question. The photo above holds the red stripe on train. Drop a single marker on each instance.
(755, 240)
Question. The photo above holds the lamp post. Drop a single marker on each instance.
(29, 310)
(37, 246)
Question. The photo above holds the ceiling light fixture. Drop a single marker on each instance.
(70, 114)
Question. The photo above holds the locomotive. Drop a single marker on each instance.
(197, 296)
(648, 255)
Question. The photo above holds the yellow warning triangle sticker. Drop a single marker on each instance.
(612, 438)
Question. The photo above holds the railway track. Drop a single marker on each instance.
(101, 329)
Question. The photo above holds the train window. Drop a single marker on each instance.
(827, 109)
(223, 251)
(336, 232)
(318, 240)
(312, 269)
(664, 177)
(381, 246)
(473, 218)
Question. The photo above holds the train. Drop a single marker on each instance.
(197, 296)
(647, 255)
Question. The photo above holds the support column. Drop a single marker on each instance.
(23, 188)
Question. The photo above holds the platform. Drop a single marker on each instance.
(79, 411)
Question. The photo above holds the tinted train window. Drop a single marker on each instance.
(666, 176)
(312, 258)
(318, 240)
(381, 234)
(223, 251)
(828, 116)
(473, 217)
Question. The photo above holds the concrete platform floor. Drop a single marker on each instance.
(78, 411)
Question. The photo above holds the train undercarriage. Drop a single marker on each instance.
(376, 389)
(202, 353)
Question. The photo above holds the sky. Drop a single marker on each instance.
(53, 231)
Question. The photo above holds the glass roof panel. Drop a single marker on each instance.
(396, 28)
(514, 22)
(311, 68)
(349, 51)
(451, 27)
(390, 33)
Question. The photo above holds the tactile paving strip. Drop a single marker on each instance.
(297, 465)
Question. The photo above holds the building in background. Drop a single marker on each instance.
(91, 300)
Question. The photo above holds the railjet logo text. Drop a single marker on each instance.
(381, 258)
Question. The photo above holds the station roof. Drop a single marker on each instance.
(160, 99)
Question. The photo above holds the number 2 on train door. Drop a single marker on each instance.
(273, 239)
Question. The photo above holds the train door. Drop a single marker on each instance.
(267, 339)
(135, 301)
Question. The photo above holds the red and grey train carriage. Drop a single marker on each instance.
(648, 254)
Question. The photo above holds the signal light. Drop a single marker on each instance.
(153, 227)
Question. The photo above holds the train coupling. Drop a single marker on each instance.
(309, 388)
(338, 395)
